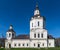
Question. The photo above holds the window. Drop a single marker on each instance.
(38, 45)
(38, 35)
(34, 35)
(18, 44)
(23, 44)
(42, 35)
(43, 44)
(27, 44)
(49, 44)
(12, 34)
(14, 44)
(9, 34)
(38, 23)
(32, 24)
(34, 44)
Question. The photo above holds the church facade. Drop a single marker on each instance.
(38, 37)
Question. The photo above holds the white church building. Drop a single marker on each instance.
(37, 38)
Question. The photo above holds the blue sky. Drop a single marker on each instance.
(19, 12)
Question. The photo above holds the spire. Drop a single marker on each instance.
(37, 7)
(37, 12)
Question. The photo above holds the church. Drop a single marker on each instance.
(37, 38)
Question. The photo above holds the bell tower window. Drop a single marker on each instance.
(12, 34)
(38, 23)
(32, 24)
(9, 35)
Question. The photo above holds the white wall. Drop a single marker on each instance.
(38, 31)
(35, 23)
(30, 43)
(21, 42)
(51, 42)
(25, 42)
(36, 42)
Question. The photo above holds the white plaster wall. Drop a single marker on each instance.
(35, 23)
(7, 42)
(52, 41)
(38, 31)
(36, 42)
(21, 42)
(29, 42)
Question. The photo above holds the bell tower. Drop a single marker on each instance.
(37, 25)
(37, 21)
(10, 33)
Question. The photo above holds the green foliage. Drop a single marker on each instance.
(57, 48)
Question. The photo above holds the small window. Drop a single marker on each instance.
(49, 44)
(43, 44)
(38, 35)
(38, 23)
(34, 44)
(9, 35)
(18, 44)
(34, 35)
(14, 44)
(32, 24)
(27, 44)
(12, 34)
(23, 44)
(42, 35)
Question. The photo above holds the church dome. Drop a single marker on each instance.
(11, 29)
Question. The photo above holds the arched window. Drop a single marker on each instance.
(32, 24)
(34, 35)
(15, 44)
(43, 44)
(34, 44)
(42, 35)
(9, 35)
(38, 23)
(38, 35)
(18, 44)
(27, 44)
(23, 44)
(13, 34)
